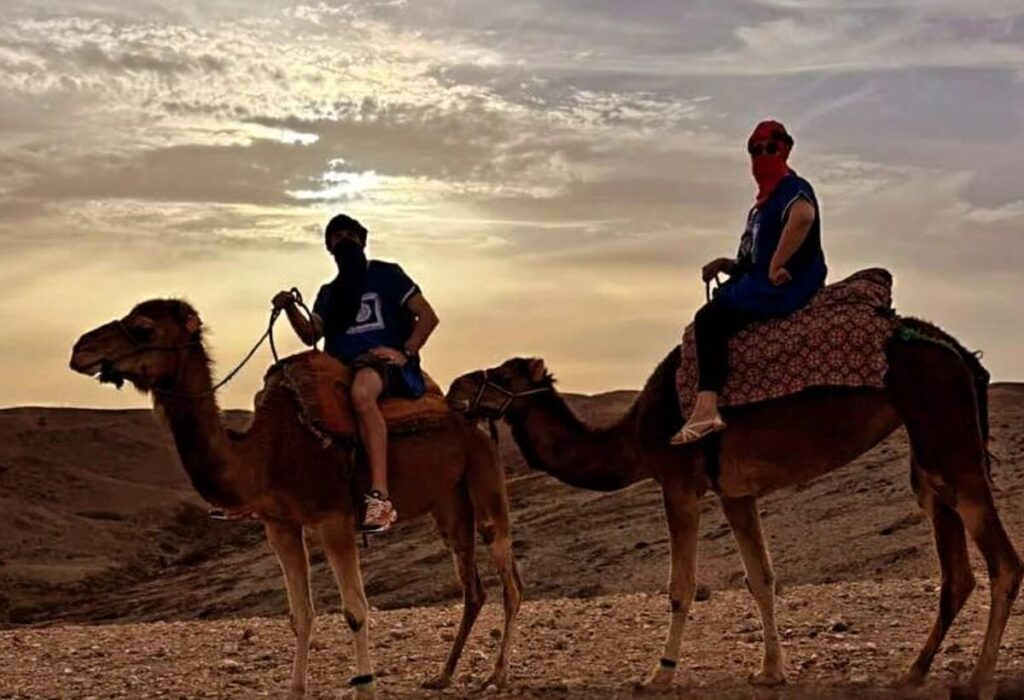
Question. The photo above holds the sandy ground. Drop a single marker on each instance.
(841, 640)
(99, 525)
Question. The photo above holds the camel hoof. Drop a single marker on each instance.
(660, 679)
(439, 682)
(973, 690)
(498, 679)
(366, 692)
(767, 678)
(913, 678)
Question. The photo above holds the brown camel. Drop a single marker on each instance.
(282, 473)
(936, 389)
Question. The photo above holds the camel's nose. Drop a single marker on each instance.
(83, 358)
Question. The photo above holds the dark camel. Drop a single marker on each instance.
(279, 471)
(938, 391)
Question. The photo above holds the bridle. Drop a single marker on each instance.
(510, 397)
(140, 347)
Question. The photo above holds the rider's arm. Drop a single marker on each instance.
(426, 322)
(309, 330)
(798, 223)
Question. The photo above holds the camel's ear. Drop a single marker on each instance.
(537, 370)
(192, 323)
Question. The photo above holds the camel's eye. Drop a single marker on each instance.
(141, 333)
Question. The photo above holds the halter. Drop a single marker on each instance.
(510, 397)
(140, 347)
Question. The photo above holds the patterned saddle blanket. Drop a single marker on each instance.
(321, 385)
(838, 339)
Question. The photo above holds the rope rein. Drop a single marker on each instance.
(267, 335)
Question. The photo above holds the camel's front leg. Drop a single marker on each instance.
(290, 547)
(682, 508)
(339, 540)
(746, 527)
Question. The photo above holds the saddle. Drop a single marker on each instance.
(839, 339)
(321, 385)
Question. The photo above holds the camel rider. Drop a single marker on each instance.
(375, 319)
(780, 266)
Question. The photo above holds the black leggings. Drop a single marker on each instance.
(713, 326)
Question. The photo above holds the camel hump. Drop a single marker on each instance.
(321, 385)
(839, 339)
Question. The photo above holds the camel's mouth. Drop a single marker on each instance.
(108, 374)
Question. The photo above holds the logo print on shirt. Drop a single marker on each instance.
(369, 317)
(364, 313)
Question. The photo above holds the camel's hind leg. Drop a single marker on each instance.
(682, 510)
(338, 536)
(290, 548)
(457, 527)
(957, 578)
(934, 393)
(485, 479)
(746, 527)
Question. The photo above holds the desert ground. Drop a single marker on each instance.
(113, 583)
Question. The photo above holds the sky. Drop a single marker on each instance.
(553, 174)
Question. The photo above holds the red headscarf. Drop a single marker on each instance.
(769, 169)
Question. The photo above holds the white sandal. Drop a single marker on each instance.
(694, 431)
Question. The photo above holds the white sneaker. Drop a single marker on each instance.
(380, 514)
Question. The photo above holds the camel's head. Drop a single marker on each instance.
(490, 393)
(147, 347)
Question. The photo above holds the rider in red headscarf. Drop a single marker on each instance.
(779, 267)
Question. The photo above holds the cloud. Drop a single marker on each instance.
(559, 167)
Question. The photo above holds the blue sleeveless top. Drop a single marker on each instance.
(749, 289)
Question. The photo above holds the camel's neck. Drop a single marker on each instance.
(210, 456)
(553, 440)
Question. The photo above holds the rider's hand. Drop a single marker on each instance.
(282, 300)
(779, 275)
(391, 355)
(716, 266)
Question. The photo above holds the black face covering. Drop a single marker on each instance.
(347, 288)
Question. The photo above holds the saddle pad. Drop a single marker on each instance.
(321, 384)
(838, 339)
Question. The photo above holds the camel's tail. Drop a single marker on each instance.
(973, 361)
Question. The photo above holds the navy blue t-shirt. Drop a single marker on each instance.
(750, 289)
(382, 319)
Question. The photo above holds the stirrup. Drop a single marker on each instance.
(692, 432)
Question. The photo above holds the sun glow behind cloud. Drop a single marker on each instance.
(553, 174)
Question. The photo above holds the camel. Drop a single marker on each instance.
(935, 388)
(280, 472)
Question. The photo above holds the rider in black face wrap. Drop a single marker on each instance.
(347, 287)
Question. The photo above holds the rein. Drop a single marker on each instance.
(267, 334)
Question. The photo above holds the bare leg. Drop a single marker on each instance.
(290, 547)
(682, 508)
(957, 578)
(745, 521)
(457, 528)
(339, 540)
(366, 390)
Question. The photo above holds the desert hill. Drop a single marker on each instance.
(98, 523)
